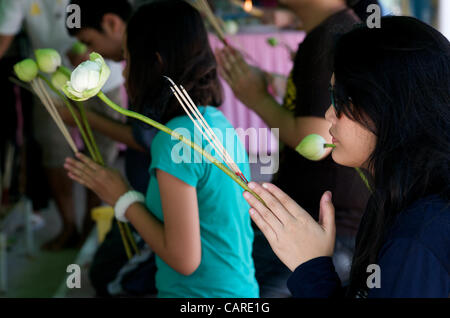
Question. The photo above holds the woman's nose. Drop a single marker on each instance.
(330, 115)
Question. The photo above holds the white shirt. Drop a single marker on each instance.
(45, 24)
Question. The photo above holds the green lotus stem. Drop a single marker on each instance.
(125, 243)
(75, 117)
(123, 227)
(363, 177)
(125, 231)
(131, 238)
(174, 134)
(329, 145)
(89, 132)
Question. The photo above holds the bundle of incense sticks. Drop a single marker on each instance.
(38, 87)
(203, 6)
(192, 111)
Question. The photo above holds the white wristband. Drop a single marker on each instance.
(124, 202)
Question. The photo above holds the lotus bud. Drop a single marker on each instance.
(48, 60)
(26, 70)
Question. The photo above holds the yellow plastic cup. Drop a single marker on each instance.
(103, 216)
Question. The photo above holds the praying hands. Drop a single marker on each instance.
(108, 184)
(293, 234)
(248, 83)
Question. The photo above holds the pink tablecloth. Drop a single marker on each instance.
(271, 59)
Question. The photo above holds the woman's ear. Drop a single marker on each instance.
(112, 24)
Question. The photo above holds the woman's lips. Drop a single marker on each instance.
(333, 140)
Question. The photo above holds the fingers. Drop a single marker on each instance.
(286, 201)
(276, 208)
(88, 161)
(80, 180)
(80, 172)
(223, 73)
(261, 223)
(327, 214)
(268, 216)
(232, 65)
(236, 62)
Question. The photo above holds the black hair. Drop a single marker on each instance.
(168, 38)
(92, 12)
(398, 79)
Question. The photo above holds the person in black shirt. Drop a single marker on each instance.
(303, 113)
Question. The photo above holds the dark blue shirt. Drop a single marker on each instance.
(414, 260)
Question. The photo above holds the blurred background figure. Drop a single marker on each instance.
(45, 26)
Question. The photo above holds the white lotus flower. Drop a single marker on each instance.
(87, 79)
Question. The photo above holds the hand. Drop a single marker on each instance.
(108, 184)
(293, 234)
(66, 116)
(248, 83)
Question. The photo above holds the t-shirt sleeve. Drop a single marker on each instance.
(11, 16)
(410, 269)
(316, 278)
(176, 158)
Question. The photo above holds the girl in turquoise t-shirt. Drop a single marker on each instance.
(195, 218)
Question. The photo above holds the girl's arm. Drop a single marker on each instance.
(177, 241)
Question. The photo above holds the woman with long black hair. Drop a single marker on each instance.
(390, 114)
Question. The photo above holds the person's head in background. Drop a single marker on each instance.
(393, 86)
(168, 38)
(103, 24)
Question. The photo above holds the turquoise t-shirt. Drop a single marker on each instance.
(226, 268)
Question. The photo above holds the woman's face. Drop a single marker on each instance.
(354, 142)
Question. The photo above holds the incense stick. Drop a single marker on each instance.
(203, 6)
(55, 116)
(199, 116)
(191, 109)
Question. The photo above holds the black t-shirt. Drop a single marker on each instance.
(307, 95)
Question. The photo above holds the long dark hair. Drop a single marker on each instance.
(169, 38)
(398, 79)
